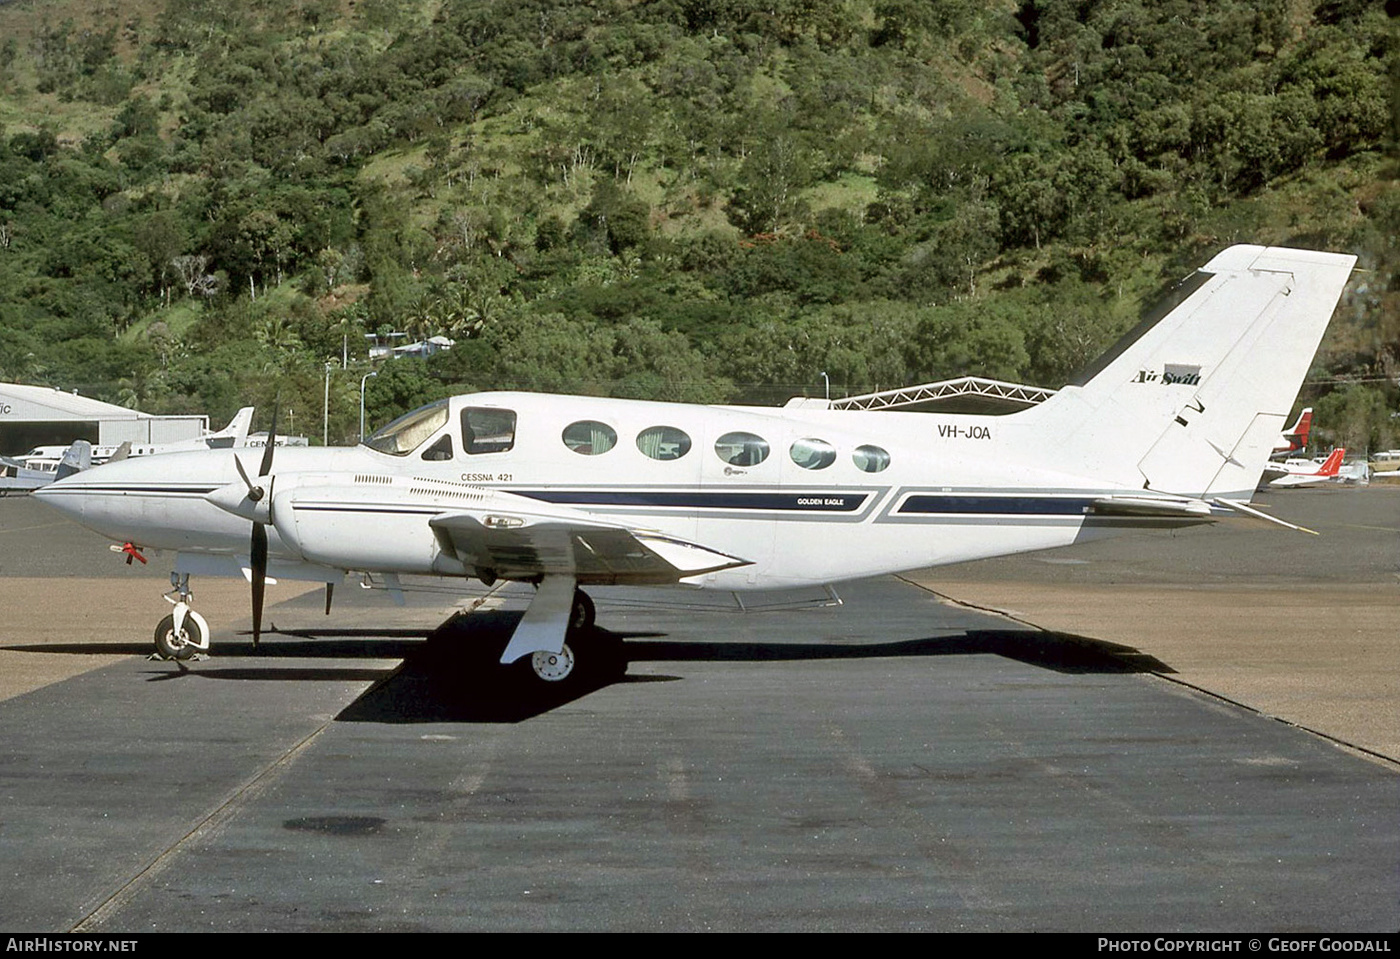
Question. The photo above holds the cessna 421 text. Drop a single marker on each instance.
(1171, 427)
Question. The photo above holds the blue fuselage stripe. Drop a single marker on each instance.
(1003, 505)
(815, 501)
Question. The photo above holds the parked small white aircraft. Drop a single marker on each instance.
(1296, 436)
(1171, 427)
(48, 458)
(1306, 472)
(42, 465)
(230, 437)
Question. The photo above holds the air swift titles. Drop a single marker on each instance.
(1187, 376)
(1171, 427)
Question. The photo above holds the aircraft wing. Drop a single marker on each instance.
(522, 545)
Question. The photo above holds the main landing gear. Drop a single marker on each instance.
(588, 658)
(184, 633)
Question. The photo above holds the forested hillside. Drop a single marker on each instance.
(201, 202)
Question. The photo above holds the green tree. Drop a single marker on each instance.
(1357, 417)
(980, 337)
(767, 197)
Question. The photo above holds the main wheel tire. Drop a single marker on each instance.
(588, 660)
(552, 668)
(583, 614)
(171, 645)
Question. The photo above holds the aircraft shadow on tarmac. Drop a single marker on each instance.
(450, 674)
(453, 677)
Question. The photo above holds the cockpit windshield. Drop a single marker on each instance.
(408, 432)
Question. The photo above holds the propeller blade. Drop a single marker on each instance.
(266, 466)
(258, 558)
(257, 553)
(255, 493)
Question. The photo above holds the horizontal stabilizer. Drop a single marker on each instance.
(1247, 510)
(1172, 508)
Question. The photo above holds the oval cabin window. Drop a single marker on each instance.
(663, 443)
(589, 437)
(870, 459)
(741, 449)
(813, 454)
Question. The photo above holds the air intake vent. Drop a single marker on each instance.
(447, 484)
(470, 495)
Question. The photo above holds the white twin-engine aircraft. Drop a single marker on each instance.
(1171, 427)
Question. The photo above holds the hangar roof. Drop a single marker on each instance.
(966, 394)
(20, 403)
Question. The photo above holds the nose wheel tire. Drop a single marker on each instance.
(181, 645)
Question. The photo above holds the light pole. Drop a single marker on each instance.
(362, 401)
(827, 379)
(326, 408)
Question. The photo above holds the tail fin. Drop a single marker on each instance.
(1192, 403)
(1333, 464)
(76, 458)
(1296, 436)
(1303, 428)
(235, 434)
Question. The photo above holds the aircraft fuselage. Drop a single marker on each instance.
(804, 496)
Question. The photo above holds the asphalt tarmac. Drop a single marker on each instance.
(895, 763)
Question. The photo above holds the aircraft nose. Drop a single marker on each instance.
(60, 495)
(102, 491)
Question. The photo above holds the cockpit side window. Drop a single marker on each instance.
(406, 433)
(441, 450)
(487, 429)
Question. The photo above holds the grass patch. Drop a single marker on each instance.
(178, 318)
(852, 192)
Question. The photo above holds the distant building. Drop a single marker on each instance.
(384, 351)
(32, 416)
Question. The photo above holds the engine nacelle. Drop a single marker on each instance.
(365, 522)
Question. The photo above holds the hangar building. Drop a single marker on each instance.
(33, 416)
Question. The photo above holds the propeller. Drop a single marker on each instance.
(257, 550)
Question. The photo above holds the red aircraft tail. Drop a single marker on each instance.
(1296, 436)
(1333, 465)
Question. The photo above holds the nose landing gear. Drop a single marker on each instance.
(184, 633)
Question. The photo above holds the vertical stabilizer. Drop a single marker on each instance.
(1193, 404)
(233, 435)
(76, 458)
(1296, 436)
